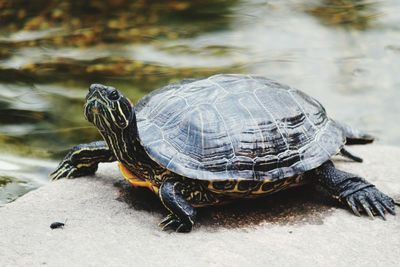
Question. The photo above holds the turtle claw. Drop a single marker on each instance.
(371, 201)
(64, 170)
(352, 205)
(381, 211)
(166, 220)
(388, 203)
(67, 170)
(367, 207)
(173, 223)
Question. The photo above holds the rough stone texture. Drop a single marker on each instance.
(114, 225)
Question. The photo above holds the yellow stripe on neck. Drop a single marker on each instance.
(134, 180)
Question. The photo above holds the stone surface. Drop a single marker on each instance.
(110, 224)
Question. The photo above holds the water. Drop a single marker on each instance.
(345, 53)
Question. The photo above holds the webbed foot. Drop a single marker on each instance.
(371, 201)
(356, 192)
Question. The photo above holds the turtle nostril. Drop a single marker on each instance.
(92, 88)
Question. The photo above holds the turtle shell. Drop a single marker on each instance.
(236, 127)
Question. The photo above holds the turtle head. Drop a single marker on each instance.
(108, 109)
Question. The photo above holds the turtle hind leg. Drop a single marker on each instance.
(353, 191)
(355, 136)
(182, 214)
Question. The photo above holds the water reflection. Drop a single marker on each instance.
(50, 51)
(88, 23)
(19, 175)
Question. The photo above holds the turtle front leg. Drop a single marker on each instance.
(182, 214)
(83, 160)
(353, 191)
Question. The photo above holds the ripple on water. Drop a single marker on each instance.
(20, 175)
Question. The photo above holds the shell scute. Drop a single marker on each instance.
(236, 126)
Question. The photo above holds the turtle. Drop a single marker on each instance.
(210, 141)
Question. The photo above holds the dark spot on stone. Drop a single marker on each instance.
(290, 207)
(57, 225)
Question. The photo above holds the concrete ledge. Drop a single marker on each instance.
(111, 224)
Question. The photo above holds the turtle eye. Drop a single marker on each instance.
(114, 95)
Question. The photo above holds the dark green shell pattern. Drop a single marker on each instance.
(236, 127)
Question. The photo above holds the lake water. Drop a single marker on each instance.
(345, 53)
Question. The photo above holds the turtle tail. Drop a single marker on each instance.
(349, 155)
(355, 136)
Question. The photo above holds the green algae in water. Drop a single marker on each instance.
(19, 175)
(11, 188)
(350, 14)
(5, 180)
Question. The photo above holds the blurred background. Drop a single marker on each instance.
(345, 53)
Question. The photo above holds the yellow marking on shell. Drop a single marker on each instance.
(260, 191)
(293, 181)
(211, 187)
(235, 189)
(134, 180)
